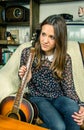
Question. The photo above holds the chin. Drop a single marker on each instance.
(44, 49)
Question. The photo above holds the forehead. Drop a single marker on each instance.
(49, 29)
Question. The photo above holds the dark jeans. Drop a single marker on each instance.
(56, 113)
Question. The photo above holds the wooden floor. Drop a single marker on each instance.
(7, 123)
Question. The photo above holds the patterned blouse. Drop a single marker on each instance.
(43, 83)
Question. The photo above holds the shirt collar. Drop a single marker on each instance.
(50, 58)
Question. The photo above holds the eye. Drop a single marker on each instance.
(52, 37)
(43, 34)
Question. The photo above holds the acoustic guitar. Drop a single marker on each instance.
(18, 107)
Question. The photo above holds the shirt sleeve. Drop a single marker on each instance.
(67, 82)
(24, 56)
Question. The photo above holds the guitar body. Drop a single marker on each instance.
(26, 111)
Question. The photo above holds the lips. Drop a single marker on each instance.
(44, 46)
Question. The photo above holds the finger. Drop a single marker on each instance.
(23, 68)
(76, 119)
(79, 122)
(78, 114)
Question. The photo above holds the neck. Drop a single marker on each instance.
(48, 53)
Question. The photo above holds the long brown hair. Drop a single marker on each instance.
(60, 50)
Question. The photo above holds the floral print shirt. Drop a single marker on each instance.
(43, 83)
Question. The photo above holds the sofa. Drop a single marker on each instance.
(9, 80)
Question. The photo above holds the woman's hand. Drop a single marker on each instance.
(22, 71)
(79, 116)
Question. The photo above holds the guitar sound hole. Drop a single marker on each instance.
(19, 116)
(13, 115)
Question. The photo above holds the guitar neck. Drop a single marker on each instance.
(19, 95)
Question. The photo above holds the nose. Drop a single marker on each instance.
(46, 39)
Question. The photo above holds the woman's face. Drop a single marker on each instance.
(47, 39)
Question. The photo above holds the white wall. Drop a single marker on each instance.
(57, 8)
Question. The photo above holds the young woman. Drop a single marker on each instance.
(50, 82)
